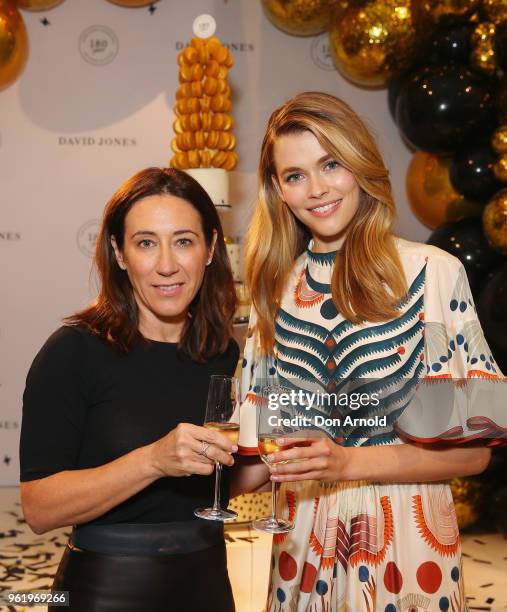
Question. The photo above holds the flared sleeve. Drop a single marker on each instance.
(463, 395)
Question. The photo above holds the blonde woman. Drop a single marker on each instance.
(337, 296)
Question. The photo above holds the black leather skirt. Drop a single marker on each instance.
(130, 582)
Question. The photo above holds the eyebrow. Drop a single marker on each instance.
(152, 233)
(319, 161)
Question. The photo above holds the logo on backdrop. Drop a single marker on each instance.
(98, 45)
(321, 53)
(8, 236)
(87, 236)
(99, 141)
(235, 47)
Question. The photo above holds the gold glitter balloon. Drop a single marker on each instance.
(434, 11)
(302, 17)
(133, 3)
(499, 140)
(468, 497)
(13, 43)
(373, 42)
(500, 168)
(496, 10)
(483, 54)
(432, 198)
(37, 5)
(494, 221)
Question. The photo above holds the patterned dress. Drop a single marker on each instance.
(364, 546)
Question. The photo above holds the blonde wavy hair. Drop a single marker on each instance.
(368, 279)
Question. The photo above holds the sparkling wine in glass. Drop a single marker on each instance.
(222, 415)
(273, 422)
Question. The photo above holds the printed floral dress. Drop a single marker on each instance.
(364, 546)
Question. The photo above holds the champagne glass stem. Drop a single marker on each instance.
(218, 473)
(273, 500)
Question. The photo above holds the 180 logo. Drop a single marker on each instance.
(98, 45)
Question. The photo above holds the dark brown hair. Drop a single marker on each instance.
(114, 314)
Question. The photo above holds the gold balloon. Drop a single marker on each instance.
(469, 498)
(499, 140)
(483, 54)
(496, 10)
(434, 11)
(13, 43)
(37, 5)
(431, 195)
(373, 42)
(133, 3)
(302, 17)
(494, 221)
(500, 168)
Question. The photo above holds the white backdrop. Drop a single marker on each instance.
(93, 106)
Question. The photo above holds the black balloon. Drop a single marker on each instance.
(471, 173)
(501, 45)
(492, 311)
(449, 44)
(440, 108)
(465, 240)
(394, 87)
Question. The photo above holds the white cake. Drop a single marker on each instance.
(215, 181)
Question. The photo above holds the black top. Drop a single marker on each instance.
(86, 404)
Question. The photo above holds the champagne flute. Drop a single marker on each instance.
(273, 421)
(222, 415)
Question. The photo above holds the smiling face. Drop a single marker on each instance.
(165, 255)
(320, 192)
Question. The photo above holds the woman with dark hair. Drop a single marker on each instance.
(114, 403)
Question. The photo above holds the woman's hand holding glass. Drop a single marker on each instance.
(315, 457)
(180, 452)
(272, 424)
(222, 415)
